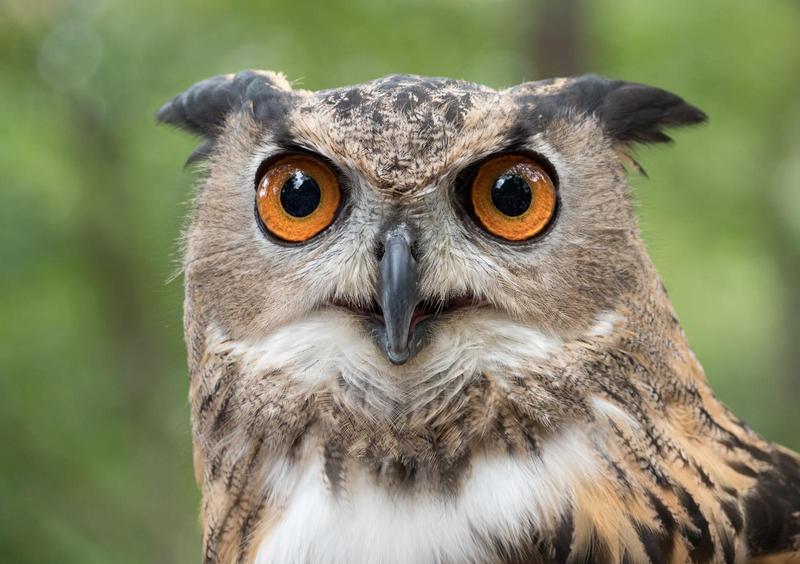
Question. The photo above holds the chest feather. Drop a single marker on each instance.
(500, 500)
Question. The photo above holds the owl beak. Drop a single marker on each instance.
(398, 294)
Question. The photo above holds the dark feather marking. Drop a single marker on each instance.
(501, 428)
(229, 371)
(562, 539)
(742, 468)
(663, 513)
(206, 403)
(403, 472)
(248, 524)
(754, 451)
(456, 109)
(699, 537)
(216, 532)
(658, 544)
(334, 468)
(772, 508)
(728, 550)
(216, 463)
(731, 440)
(531, 439)
(704, 477)
(345, 102)
(622, 475)
(734, 514)
(655, 472)
(210, 552)
(224, 411)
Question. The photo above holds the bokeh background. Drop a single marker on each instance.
(96, 456)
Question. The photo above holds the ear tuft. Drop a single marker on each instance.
(628, 112)
(203, 108)
(636, 113)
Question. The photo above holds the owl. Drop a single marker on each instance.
(422, 327)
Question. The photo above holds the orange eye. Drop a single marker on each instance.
(513, 197)
(298, 197)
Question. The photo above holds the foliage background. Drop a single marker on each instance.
(96, 456)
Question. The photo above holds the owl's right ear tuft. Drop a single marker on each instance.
(204, 107)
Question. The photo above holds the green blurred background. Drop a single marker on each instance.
(96, 454)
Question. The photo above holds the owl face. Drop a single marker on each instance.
(409, 224)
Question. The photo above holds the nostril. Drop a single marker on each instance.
(380, 250)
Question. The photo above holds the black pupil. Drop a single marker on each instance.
(511, 194)
(300, 195)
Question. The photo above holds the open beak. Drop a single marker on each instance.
(398, 294)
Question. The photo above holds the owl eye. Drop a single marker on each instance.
(513, 197)
(297, 197)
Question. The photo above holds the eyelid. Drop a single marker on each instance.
(289, 150)
(472, 168)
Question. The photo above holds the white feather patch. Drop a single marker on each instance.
(502, 497)
(604, 324)
(605, 408)
(332, 342)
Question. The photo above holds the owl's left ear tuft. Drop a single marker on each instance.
(636, 113)
(629, 113)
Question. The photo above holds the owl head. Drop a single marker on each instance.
(411, 229)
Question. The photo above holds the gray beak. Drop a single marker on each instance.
(398, 294)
